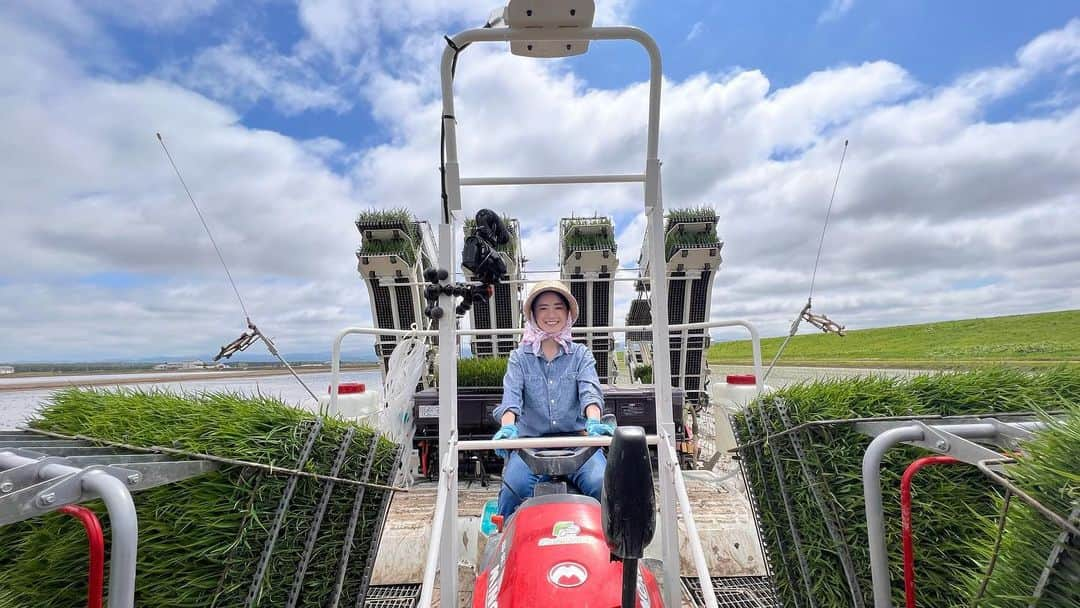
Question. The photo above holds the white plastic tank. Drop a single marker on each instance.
(729, 398)
(355, 402)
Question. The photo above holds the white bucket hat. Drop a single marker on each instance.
(551, 285)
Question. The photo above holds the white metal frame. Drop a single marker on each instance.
(447, 253)
(442, 548)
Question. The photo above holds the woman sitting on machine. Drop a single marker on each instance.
(551, 388)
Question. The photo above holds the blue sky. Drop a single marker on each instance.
(934, 41)
(288, 118)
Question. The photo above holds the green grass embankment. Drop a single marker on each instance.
(1034, 340)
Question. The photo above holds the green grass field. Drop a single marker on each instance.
(1031, 340)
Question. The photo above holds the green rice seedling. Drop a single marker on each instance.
(574, 239)
(381, 219)
(643, 373)
(676, 238)
(482, 372)
(403, 246)
(675, 241)
(400, 247)
(1049, 470)
(951, 504)
(689, 214)
(201, 540)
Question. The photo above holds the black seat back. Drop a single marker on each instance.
(628, 506)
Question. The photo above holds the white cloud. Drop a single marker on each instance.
(939, 214)
(347, 28)
(835, 10)
(1056, 49)
(695, 30)
(245, 73)
(1053, 48)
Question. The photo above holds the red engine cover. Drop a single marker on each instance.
(555, 555)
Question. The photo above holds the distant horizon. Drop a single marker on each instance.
(351, 357)
(369, 357)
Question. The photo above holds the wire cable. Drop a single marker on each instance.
(247, 317)
(813, 276)
(205, 226)
(828, 212)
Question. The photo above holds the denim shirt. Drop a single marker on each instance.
(550, 397)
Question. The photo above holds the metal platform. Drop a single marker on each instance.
(392, 596)
(733, 592)
(721, 510)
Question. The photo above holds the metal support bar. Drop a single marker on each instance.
(906, 521)
(871, 470)
(154, 474)
(380, 522)
(696, 551)
(610, 178)
(778, 469)
(448, 422)
(25, 475)
(447, 480)
(759, 457)
(350, 531)
(279, 517)
(985, 467)
(541, 443)
(1062, 541)
(266, 468)
(44, 450)
(124, 459)
(97, 482)
(938, 439)
(831, 523)
(1020, 416)
(316, 522)
(673, 331)
(58, 484)
(29, 442)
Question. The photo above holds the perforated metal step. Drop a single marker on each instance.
(734, 592)
(392, 596)
(731, 592)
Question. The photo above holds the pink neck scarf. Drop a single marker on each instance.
(535, 336)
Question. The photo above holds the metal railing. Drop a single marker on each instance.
(40, 474)
(951, 439)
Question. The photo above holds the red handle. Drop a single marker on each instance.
(905, 518)
(97, 551)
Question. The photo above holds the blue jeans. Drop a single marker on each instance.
(589, 479)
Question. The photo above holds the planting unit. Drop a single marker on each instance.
(692, 254)
(395, 249)
(588, 263)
